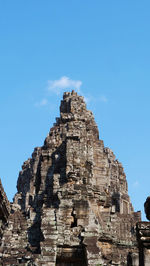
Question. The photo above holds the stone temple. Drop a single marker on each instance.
(72, 206)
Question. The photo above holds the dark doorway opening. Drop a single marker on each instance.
(71, 256)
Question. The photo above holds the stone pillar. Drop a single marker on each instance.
(143, 237)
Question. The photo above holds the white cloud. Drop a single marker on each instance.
(43, 102)
(103, 99)
(64, 82)
(136, 184)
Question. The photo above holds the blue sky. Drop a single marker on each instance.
(102, 48)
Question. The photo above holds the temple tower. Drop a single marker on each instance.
(72, 206)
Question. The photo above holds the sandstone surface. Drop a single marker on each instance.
(72, 205)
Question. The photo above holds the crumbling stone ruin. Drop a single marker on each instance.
(143, 236)
(72, 206)
(4, 210)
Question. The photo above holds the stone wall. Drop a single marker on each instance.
(143, 237)
(4, 210)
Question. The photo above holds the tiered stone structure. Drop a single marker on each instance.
(72, 206)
